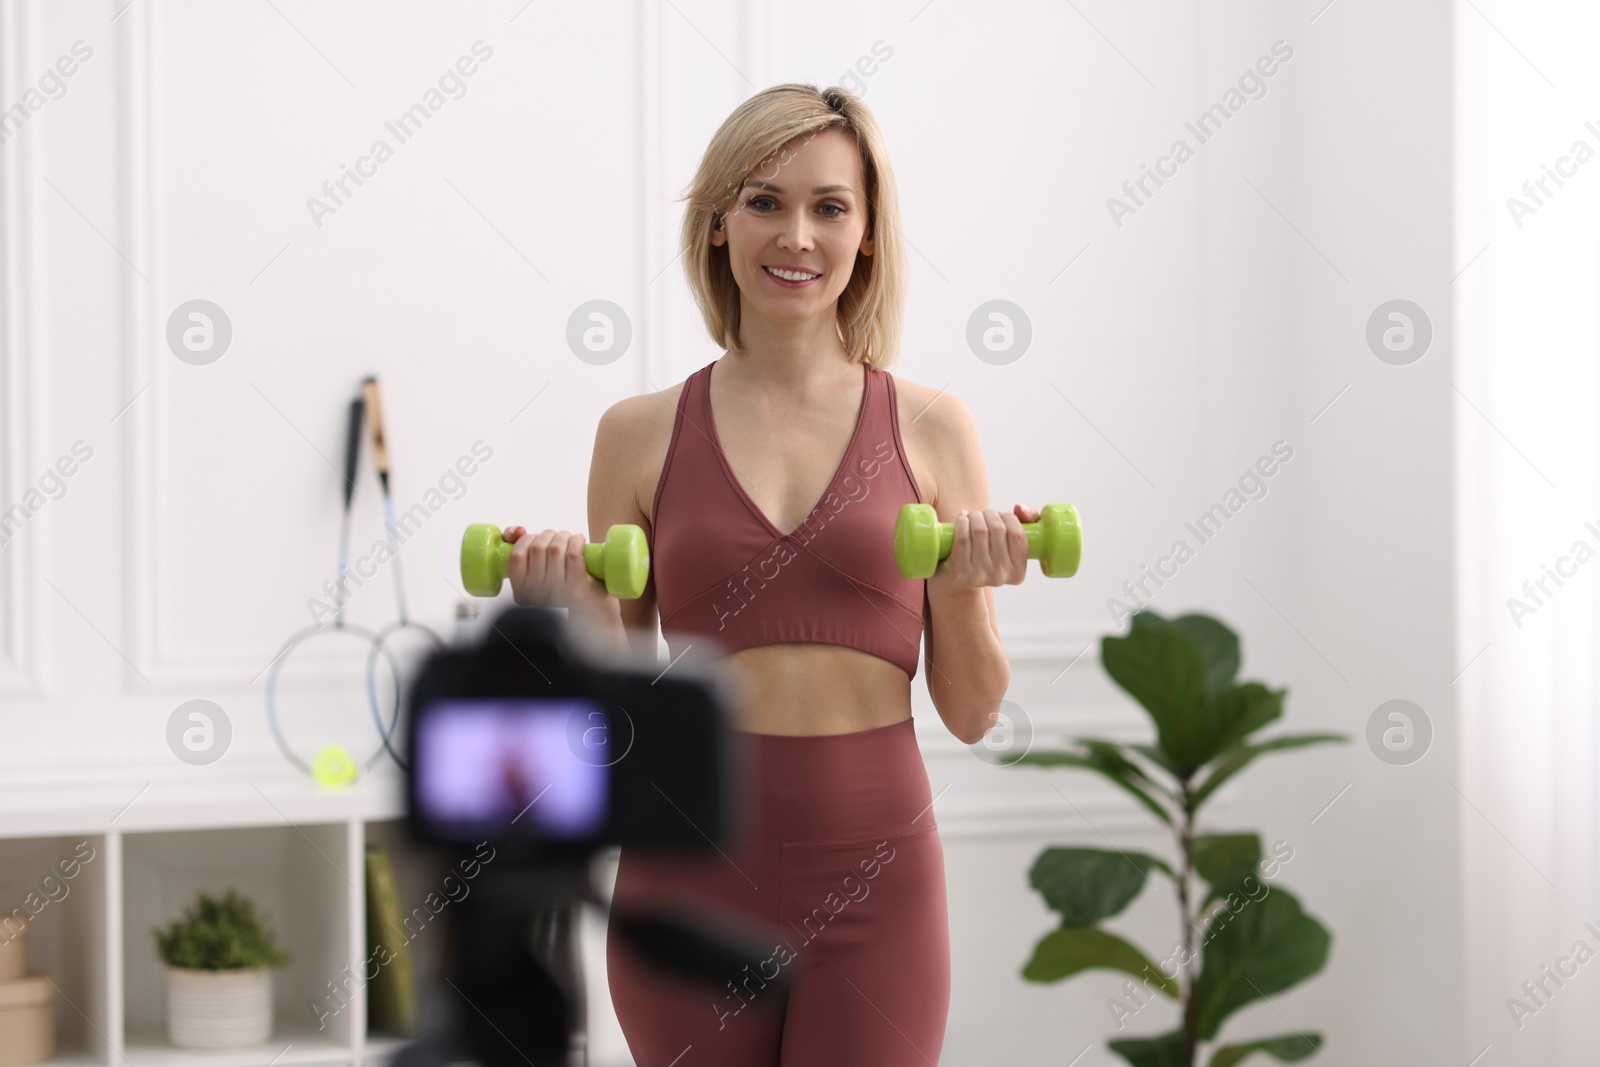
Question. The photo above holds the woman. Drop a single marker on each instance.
(769, 482)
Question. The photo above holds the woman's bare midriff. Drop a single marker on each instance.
(810, 688)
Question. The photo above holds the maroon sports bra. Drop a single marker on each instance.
(722, 571)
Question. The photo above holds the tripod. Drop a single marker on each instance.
(517, 977)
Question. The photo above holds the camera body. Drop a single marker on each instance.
(528, 742)
(533, 743)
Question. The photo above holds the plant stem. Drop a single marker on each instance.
(1185, 854)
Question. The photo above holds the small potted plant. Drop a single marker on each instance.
(219, 960)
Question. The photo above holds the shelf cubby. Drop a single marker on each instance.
(300, 876)
(62, 882)
(300, 856)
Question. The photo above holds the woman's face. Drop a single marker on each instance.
(802, 211)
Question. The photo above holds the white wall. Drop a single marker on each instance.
(1529, 470)
(1223, 316)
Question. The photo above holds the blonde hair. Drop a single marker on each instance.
(872, 305)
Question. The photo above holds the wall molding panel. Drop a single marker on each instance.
(19, 599)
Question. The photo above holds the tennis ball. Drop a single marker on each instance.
(333, 766)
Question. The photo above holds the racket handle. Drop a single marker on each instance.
(380, 453)
(352, 450)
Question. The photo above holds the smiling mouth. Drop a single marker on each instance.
(790, 277)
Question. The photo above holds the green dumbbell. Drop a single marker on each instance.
(622, 560)
(921, 541)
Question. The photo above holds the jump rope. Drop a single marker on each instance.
(333, 764)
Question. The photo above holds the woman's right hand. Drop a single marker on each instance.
(546, 570)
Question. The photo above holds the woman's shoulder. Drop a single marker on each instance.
(644, 416)
(632, 439)
(934, 414)
(938, 433)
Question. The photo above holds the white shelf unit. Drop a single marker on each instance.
(296, 850)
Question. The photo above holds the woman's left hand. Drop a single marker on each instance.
(989, 549)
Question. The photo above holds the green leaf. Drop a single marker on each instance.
(1161, 669)
(1155, 755)
(1114, 757)
(1233, 715)
(1240, 756)
(1164, 1051)
(1217, 645)
(1225, 861)
(1266, 947)
(1064, 952)
(1289, 1049)
(1180, 674)
(1086, 885)
(1048, 758)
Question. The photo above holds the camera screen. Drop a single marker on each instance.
(512, 767)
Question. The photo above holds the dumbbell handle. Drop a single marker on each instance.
(947, 539)
(621, 561)
(592, 561)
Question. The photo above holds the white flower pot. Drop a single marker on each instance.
(218, 1009)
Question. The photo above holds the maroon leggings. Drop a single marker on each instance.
(841, 870)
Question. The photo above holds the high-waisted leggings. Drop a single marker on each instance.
(841, 867)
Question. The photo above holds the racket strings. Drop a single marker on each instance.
(377, 642)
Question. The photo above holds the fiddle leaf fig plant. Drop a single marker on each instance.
(1243, 940)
